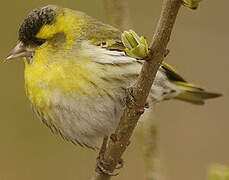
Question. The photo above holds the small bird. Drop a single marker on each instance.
(77, 74)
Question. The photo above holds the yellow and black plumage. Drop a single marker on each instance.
(77, 73)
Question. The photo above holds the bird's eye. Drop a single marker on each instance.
(39, 42)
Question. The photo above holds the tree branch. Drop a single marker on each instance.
(118, 13)
(140, 91)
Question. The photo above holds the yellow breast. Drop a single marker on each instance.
(47, 75)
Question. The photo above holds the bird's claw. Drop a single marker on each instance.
(100, 159)
(131, 101)
(120, 164)
(100, 168)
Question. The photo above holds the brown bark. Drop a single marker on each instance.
(140, 91)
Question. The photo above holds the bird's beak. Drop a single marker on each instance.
(19, 51)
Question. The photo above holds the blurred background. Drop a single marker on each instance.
(191, 137)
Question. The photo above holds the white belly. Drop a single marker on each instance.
(84, 120)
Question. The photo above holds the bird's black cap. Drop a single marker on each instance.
(33, 22)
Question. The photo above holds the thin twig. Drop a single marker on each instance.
(140, 91)
(118, 12)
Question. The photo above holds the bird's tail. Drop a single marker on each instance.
(194, 94)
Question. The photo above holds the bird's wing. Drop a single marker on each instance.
(108, 47)
(109, 38)
(171, 73)
(104, 35)
(177, 79)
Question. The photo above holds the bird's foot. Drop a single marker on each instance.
(131, 101)
(120, 164)
(101, 169)
(101, 163)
